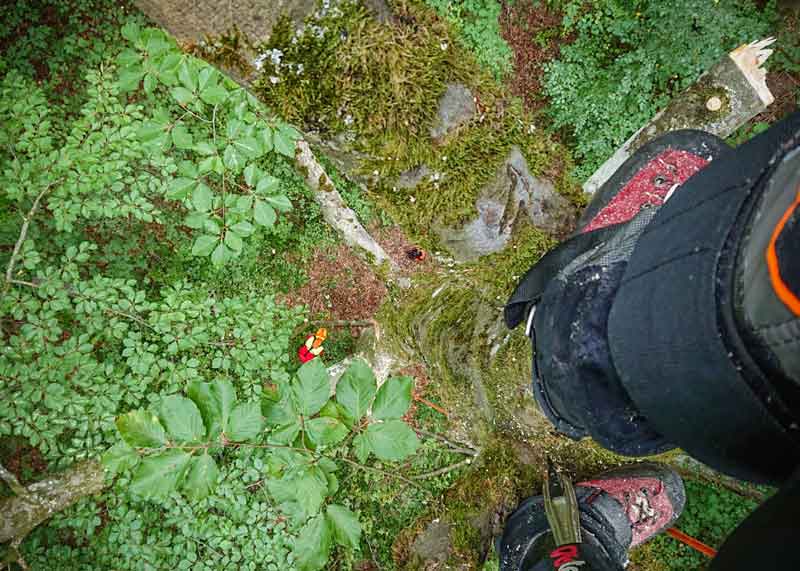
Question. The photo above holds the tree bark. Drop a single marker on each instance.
(40, 500)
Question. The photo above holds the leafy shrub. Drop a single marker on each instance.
(630, 57)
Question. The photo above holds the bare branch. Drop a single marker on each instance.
(23, 233)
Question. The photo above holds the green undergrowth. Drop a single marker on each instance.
(711, 514)
(476, 22)
(628, 59)
(375, 89)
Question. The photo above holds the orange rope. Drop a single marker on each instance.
(435, 407)
(692, 542)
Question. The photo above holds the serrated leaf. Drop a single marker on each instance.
(266, 139)
(150, 131)
(245, 422)
(345, 526)
(313, 545)
(141, 429)
(181, 95)
(263, 214)
(181, 418)
(268, 185)
(214, 94)
(205, 148)
(209, 407)
(181, 137)
(131, 32)
(312, 387)
(159, 474)
(284, 140)
(187, 74)
(249, 146)
(393, 398)
(285, 433)
(233, 241)
(252, 174)
(243, 229)
(201, 478)
(149, 83)
(279, 202)
(204, 245)
(220, 255)
(392, 440)
(119, 458)
(129, 78)
(361, 447)
(326, 431)
(179, 188)
(202, 198)
(233, 158)
(356, 389)
(224, 396)
(196, 220)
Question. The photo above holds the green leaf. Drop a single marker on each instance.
(196, 220)
(131, 32)
(345, 526)
(284, 139)
(393, 399)
(280, 202)
(249, 146)
(212, 163)
(224, 396)
(233, 241)
(214, 94)
(187, 74)
(268, 185)
(149, 83)
(209, 407)
(120, 458)
(245, 422)
(201, 478)
(312, 387)
(280, 411)
(392, 440)
(179, 188)
(252, 174)
(266, 139)
(326, 431)
(313, 545)
(160, 474)
(233, 158)
(220, 255)
(361, 447)
(150, 131)
(264, 214)
(205, 148)
(204, 245)
(356, 389)
(181, 417)
(181, 137)
(285, 433)
(243, 229)
(129, 79)
(182, 95)
(202, 198)
(141, 429)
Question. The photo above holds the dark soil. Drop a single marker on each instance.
(341, 287)
(533, 31)
(396, 245)
(785, 87)
(22, 460)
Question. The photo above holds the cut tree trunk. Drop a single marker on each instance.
(723, 99)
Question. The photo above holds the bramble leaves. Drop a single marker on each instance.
(345, 526)
(356, 389)
(182, 420)
(141, 429)
(392, 440)
(312, 388)
(313, 545)
(160, 474)
(393, 398)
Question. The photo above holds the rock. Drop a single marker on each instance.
(512, 198)
(380, 10)
(193, 19)
(456, 107)
(432, 545)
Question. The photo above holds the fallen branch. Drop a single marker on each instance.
(23, 233)
(444, 470)
(40, 500)
(334, 210)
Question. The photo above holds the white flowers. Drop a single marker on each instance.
(274, 56)
(443, 45)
